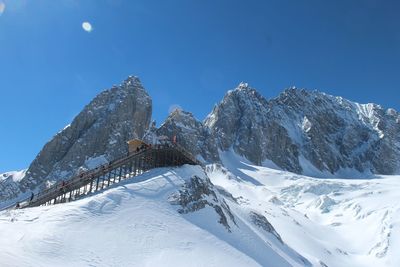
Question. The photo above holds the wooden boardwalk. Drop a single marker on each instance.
(116, 171)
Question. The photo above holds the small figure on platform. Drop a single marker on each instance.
(32, 196)
(62, 186)
(17, 206)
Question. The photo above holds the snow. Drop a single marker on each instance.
(344, 173)
(16, 176)
(92, 163)
(306, 125)
(368, 112)
(133, 224)
(243, 85)
(339, 222)
(66, 127)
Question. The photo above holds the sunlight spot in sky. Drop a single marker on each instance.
(87, 26)
(174, 107)
(2, 7)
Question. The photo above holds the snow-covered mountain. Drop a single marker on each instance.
(96, 135)
(250, 206)
(306, 132)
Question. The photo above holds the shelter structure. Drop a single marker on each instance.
(135, 145)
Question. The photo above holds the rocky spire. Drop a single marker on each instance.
(96, 135)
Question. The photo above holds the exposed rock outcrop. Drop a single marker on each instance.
(198, 193)
(96, 135)
(190, 133)
(301, 131)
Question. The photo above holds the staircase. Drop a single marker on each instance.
(129, 166)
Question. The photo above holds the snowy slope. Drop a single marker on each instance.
(333, 222)
(166, 217)
(248, 216)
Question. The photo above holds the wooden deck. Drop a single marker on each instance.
(114, 172)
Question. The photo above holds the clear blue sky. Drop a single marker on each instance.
(186, 52)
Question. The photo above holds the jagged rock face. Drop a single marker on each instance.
(298, 126)
(190, 133)
(384, 153)
(264, 224)
(98, 133)
(232, 122)
(241, 121)
(296, 130)
(333, 133)
(198, 193)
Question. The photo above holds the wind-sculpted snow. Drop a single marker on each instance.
(135, 224)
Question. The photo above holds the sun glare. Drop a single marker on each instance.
(86, 26)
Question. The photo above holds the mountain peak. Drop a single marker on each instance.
(133, 81)
(243, 85)
(244, 93)
(181, 112)
(99, 131)
(183, 117)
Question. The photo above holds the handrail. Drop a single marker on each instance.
(84, 178)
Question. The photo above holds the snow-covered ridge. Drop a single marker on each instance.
(148, 221)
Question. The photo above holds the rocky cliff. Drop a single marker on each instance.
(191, 134)
(96, 135)
(300, 131)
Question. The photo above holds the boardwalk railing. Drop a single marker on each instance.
(108, 174)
